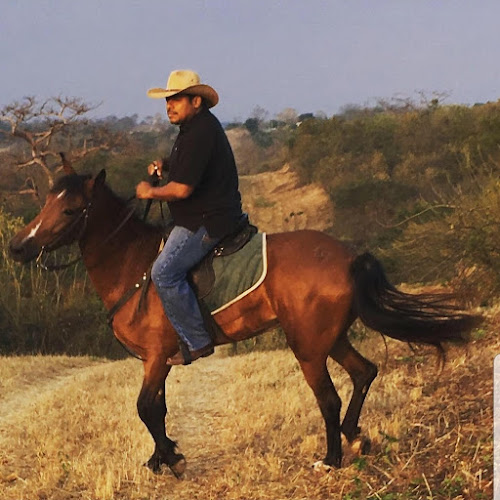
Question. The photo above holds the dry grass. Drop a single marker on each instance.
(249, 428)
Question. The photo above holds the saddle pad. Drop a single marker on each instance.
(238, 274)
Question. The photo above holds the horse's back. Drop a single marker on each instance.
(308, 254)
(307, 267)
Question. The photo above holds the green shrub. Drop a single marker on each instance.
(47, 311)
(460, 245)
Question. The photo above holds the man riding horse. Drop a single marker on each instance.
(203, 199)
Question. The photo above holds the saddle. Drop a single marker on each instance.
(202, 276)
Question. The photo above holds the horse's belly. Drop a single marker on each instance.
(249, 316)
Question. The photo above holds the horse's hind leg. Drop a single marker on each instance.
(362, 373)
(152, 410)
(316, 375)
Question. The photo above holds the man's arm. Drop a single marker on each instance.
(171, 191)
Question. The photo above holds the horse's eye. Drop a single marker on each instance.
(69, 211)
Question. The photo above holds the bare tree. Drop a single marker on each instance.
(260, 114)
(46, 127)
(288, 116)
(401, 103)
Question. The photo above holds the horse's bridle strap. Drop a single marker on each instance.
(57, 267)
(85, 214)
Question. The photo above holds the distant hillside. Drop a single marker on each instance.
(276, 201)
(260, 152)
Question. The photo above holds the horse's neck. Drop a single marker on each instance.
(116, 257)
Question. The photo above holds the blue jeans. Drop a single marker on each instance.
(183, 250)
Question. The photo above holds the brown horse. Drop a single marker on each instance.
(315, 288)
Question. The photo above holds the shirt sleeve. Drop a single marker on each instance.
(194, 153)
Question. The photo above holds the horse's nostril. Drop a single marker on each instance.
(15, 251)
(22, 252)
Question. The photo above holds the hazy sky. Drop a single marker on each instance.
(309, 55)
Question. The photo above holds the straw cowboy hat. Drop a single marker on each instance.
(187, 82)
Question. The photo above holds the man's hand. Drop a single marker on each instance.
(156, 167)
(172, 191)
(143, 190)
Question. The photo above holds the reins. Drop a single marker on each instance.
(85, 214)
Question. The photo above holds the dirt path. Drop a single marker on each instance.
(50, 410)
(26, 389)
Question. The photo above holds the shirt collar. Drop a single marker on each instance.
(186, 126)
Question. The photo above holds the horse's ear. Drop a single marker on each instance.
(67, 167)
(100, 178)
(97, 181)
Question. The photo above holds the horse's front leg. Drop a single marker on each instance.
(152, 410)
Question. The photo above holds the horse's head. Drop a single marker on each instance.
(63, 218)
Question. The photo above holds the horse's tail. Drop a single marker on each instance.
(423, 318)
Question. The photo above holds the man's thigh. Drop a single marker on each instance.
(184, 249)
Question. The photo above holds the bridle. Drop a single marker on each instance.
(84, 214)
(40, 261)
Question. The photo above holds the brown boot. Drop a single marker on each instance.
(178, 358)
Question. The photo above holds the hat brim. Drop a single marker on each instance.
(205, 91)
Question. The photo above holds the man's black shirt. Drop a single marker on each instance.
(202, 158)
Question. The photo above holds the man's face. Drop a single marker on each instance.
(181, 108)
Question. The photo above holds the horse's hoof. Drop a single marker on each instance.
(179, 467)
(361, 446)
(159, 465)
(153, 464)
(321, 466)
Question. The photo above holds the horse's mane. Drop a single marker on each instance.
(137, 216)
